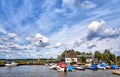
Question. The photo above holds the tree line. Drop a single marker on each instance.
(106, 56)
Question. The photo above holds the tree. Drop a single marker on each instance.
(106, 56)
(83, 59)
(78, 53)
(113, 58)
(98, 55)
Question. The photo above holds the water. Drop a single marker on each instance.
(44, 71)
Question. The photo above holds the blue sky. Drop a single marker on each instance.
(44, 28)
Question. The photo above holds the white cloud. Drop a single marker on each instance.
(12, 35)
(97, 30)
(42, 38)
(57, 44)
(110, 32)
(96, 26)
(38, 40)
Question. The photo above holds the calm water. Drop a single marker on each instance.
(44, 71)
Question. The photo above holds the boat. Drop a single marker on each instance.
(11, 64)
(54, 66)
(102, 66)
(116, 72)
(88, 64)
(79, 68)
(114, 67)
(94, 67)
(70, 68)
(62, 67)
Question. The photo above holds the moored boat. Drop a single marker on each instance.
(94, 67)
(62, 67)
(54, 66)
(79, 68)
(11, 64)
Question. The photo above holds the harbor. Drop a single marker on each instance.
(44, 71)
(59, 38)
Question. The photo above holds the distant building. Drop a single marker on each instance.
(70, 56)
(89, 58)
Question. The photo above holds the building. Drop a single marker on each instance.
(89, 58)
(70, 57)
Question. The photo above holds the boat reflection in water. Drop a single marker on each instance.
(116, 72)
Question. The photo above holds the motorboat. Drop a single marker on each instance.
(62, 67)
(54, 66)
(11, 64)
(94, 67)
(114, 67)
(70, 68)
(79, 68)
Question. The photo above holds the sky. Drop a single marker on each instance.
(45, 28)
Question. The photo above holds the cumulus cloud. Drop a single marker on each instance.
(94, 29)
(97, 30)
(57, 44)
(111, 32)
(38, 40)
(96, 26)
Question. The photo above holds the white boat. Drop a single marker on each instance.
(102, 68)
(61, 69)
(11, 64)
(79, 68)
(54, 66)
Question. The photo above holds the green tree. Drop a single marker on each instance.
(113, 58)
(106, 56)
(63, 54)
(83, 59)
(78, 53)
(98, 55)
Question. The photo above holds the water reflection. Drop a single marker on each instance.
(63, 74)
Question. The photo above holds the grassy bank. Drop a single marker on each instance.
(28, 61)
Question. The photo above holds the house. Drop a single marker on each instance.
(89, 58)
(70, 57)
